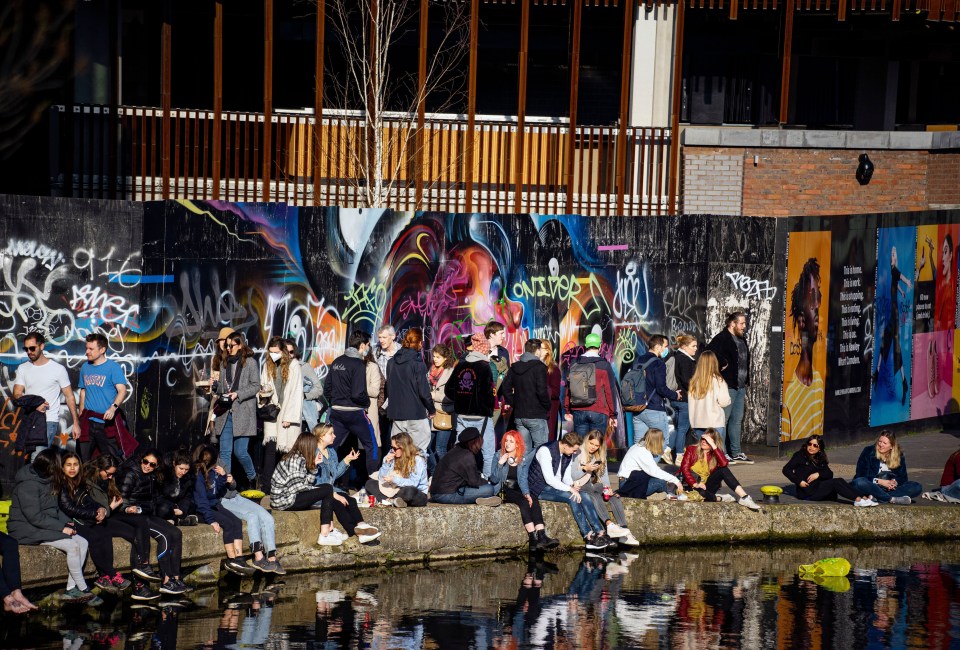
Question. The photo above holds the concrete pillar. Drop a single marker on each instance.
(652, 66)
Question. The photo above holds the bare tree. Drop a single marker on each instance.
(379, 147)
(32, 51)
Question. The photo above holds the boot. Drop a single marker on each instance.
(534, 542)
(544, 542)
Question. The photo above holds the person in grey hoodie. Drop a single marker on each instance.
(36, 518)
(409, 403)
(525, 389)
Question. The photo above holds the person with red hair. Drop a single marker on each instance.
(409, 403)
(511, 472)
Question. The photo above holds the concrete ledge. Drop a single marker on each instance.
(817, 139)
(440, 532)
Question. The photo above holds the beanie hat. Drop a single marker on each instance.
(479, 343)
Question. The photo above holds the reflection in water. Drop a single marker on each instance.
(727, 597)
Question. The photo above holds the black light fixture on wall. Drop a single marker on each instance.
(864, 169)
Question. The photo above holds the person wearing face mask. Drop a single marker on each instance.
(655, 415)
(281, 384)
(236, 391)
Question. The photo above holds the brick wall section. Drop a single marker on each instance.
(790, 182)
(943, 179)
(712, 182)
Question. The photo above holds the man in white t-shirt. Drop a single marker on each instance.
(48, 379)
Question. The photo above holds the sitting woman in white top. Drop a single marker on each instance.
(640, 475)
(402, 479)
(591, 474)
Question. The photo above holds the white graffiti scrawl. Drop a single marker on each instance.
(752, 288)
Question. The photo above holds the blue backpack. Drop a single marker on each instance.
(633, 388)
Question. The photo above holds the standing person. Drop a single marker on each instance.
(733, 355)
(591, 474)
(550, 479)
(295, 487)
(553, 387)
(882, 472)
(346, 388)
(525, 389)
(281, 383)
(457, 479)
(810, 471)
(404, 470)
(511, 472)
(46, 378)
(376, 387)
(472, 393)
(891, 331)
(36, 518)
(705, 469)
(409, 404)
(803, 394)
(437, 377)
(657, 391)
(589, 401)
(102, 390)
(708, 397)
(386, 347)
(496, 334)
(684, 365)
(217, 361)
(312, 386)
(10, 588)
(236, 393)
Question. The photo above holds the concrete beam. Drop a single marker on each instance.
(816, 139)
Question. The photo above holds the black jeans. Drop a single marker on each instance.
(322, 493)
(827, 490)
(230, 525)
(169, 544)
(410, 495)
(348, 515)
(140, 546)
(717, 476)
(10, 551)
(528, 514)
(99, 439)
(100, 538)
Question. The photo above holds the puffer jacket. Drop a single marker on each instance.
(209, 491)
(83, 505)
(35, 515)
(139, 489)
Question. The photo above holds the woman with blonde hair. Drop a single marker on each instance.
(281, 384)
(402, 479)
(882, 472)
(553, 386)
(707, 398)
(639, 472)
(591, 473)
(705, 468)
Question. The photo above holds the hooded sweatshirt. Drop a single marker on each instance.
(346, 383)
(35, 516)
(525, 388)
(471, 386)
(407, 388)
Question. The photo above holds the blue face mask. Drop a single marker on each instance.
(664, 353)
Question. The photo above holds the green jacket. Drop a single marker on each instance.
(35, 515)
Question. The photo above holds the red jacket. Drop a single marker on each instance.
(690, 457)
(951, 471)
(605, 402)
(115, 428)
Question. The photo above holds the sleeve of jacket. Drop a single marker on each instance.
(523, 474)
(373, 379)
(864, 463)
(543, 390)
(471, 474)
(127, 486)
(686, 467)
(74, 510)
(249, 381)
(792, 469)
(358, 388)
(659, 374)
(291, 410)
(423, 390)
(718, 347)
(825, 473)
(200, 495)
(723, 393)
(450, 389)
(506, 387)
(901, 472)
(35, 517)
(487, 397)
(308, 373)
(328, 385)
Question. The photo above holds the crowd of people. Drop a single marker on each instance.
(479, 429)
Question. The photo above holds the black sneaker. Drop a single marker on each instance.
(141, 591)
(147, 573)
(594, 543)
(606, 541)
(233, 565)
(183, 585)
(173, 588)
(189, 520)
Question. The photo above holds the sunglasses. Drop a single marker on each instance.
(396, 448)
(814, 444)
(148, 463)
(31, 348)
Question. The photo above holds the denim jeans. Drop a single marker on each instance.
(535, 433)
(260, 525)
(682, 410)
(438, 448)
(583, 513)
(467, 494)
(230, 446)
(866, 486)
(650, 419)
(734, 417)
(311, 413)
(486, 432)
(53, 429)
(586, 421)
(952, 491)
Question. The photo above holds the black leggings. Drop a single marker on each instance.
(231, 526)
(100, 538)
(410, 495)
(827, 490)
(717, 476)
(10, 551)
(169, 544)
(321, 493)
(140, 546)
(348, 515)
(529, 514)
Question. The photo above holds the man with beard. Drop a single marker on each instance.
(46, 378)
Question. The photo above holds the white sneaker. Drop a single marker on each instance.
(726, 498)
(679, 459)
(667, 456)
(366, 539)
(613, 530)
(629, 540)
(748, 502)
(329, 540)
(339, 534)
(865, 502)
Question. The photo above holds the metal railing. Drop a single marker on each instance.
(98, 152)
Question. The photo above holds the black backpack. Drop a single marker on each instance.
(633, 388)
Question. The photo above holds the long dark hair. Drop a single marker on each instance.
(820, 458)
(47, 466)
(92, 469)
(62, 482)
(204, 458)
(245, 351)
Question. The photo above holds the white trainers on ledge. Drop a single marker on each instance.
(748, 502)
(615, 531)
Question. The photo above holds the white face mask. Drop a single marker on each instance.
(275, 356)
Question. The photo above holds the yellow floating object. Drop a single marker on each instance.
(253, 495)
(830, 567)
(771, 490)
(838, 584)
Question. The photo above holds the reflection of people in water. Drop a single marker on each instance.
(891, 332)
(803, 397)
(946, 296)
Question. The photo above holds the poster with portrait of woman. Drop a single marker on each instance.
(893, 325)
(945, 303)
(805, 349)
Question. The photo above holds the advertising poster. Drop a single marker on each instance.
(932, 374)
(946, 300)
(925, 279)
(893, 325)
(805, 350)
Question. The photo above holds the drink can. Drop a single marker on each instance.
(372, 500)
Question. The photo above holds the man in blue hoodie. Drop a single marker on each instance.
(346, 388)
(655, 415)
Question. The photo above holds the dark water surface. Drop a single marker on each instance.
(708, 596)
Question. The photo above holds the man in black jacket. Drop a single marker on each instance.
(472, 392)
(733, 355)
(457, 479)
(346, 388)
(525, 389)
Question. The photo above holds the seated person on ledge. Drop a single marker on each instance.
(882, 472)
(457, 478)
(810, 471)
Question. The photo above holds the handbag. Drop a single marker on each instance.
(442, 421)
(268, 412)
(222, 405)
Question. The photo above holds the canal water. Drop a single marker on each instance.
(685, 596)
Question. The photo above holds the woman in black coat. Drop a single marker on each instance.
(809, 470)
(176, 492)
